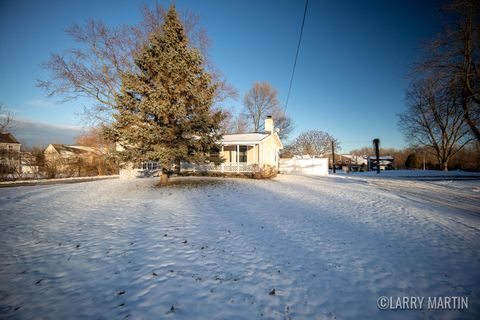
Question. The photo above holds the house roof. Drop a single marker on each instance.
(61, 148)
(243, 138)
(380, 158)
(8, 138)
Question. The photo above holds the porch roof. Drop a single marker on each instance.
(243, 138)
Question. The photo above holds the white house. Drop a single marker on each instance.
(241, 153)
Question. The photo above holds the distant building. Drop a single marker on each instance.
(386, 163)
(54, 151)
(9, 154)
(70, 160)
(348, 159)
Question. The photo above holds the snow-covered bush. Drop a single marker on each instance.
(265, 172)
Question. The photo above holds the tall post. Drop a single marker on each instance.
(238, 158)
(333, 157)
(424, 156)
(223, 168)
(376, 143)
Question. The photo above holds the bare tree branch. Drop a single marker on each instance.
(314, 143)
(261, 101)
(454, 58)
(434, 119)
(6, 119)
(93, 68)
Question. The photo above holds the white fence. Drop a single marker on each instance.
(316, 166)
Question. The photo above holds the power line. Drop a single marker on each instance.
(296, 56)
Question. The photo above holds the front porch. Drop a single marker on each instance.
(238, 167)
(238, 158)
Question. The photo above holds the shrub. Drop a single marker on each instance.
(266, 172)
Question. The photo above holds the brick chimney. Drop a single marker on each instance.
(269, 124)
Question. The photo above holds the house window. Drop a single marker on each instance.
(215, 153)
(149, 165)
(242, 156)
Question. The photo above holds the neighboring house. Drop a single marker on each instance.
(386, 163)
(9, 154)
(349, 159)
(241, 153)
(55, 151)
(70, 159)
(349, 162)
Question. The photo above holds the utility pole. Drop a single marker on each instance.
(376, 143)
(424, 156)
(333, 156)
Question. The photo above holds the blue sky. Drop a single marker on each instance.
(351, 71)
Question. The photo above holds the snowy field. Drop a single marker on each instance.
(405, 174)
(291, 248)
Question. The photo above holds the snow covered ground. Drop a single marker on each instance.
(415, 174)
(216, 248)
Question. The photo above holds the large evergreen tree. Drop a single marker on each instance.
(163, 111)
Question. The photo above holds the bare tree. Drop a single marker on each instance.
(102, 162)
(10, 168)
(434, 119)
(6, 119)
(283, 123)
(94, 138)
(261, 101)
(234, 122)
(315, 143)
(33, 161)
(94, 67)
(454, 57)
